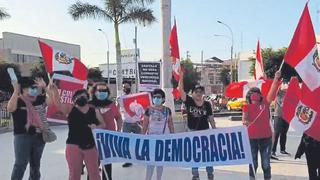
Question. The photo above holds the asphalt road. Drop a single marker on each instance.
(54, 166)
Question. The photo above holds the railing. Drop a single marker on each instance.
(5, 118)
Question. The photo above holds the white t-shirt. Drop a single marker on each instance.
(158, 120)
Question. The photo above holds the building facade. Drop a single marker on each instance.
(24, 50)
(210, 71)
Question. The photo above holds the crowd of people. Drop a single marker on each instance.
(93, 109)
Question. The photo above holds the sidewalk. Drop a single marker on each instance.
(54, 165)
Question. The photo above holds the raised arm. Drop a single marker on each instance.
(181, 86)
(53, 94)
(273, 88)
(13, 102)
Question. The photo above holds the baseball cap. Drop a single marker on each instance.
(198, 87)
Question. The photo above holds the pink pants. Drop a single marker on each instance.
(75, 156)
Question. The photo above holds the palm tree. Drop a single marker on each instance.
(3, 14)
(118, 12)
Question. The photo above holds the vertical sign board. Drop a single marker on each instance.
(149, 76)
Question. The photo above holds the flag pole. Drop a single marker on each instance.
(281, 65)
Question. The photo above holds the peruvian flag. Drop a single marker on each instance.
(56, 60)
(240, 89)
(301, 109)
(135, 104)
(258, 69)
(302, 53)
(175, 55)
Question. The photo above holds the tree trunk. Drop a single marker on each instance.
(118, 59)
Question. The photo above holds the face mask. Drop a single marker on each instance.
(255, 97)
(157, 101)
(33, 92)
(82, 101)
(127, 90)
(102, 95)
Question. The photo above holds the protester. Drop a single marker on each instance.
(311, 147)
(130, 124)
(256, 115)
(157, 120)
(80, 142)
(27, 126)
(199, 116)
(100, 99)
(281, 126)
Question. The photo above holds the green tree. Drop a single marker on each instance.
(94, 74)
(225, 76)
(191, 76)
(118, 12)
(272, 60)
(5, 82)
(3, 14)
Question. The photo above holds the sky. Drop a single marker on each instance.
(271, 21)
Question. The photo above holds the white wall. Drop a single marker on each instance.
(28, 45)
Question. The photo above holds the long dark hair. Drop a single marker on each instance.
(96, 102)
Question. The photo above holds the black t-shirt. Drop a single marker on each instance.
(79, 132)
(19, 116)
(197, 115)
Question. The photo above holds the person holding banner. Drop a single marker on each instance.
(256, 116)
(27, 126)
(157, 120)
(109, 111)
(199, 116)
(131, 124)
(80, 142)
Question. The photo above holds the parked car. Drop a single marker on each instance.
(235, 104)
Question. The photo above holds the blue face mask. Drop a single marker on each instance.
(33, 92)
(157, 101)
(102, 95)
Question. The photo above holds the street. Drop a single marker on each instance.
(54, 165)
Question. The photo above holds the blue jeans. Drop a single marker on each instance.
(195, 171)
(264, 147)
(131, 128)
(27, 149)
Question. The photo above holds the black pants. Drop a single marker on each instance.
(281, 127)
(108, 169)
(313, 161)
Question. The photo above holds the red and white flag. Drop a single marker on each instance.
(301, 109)
(240, 89)
(135, 104)
(302, 53)
(175, 55)
(258, 69)
(56, 60)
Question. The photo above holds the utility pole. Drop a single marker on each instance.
(135, 41)
(166, 60)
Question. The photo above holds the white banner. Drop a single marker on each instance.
(213, 147)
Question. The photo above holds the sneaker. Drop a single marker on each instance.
(274, 157)
(285, 152)
(195, 178)
(127, 165)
